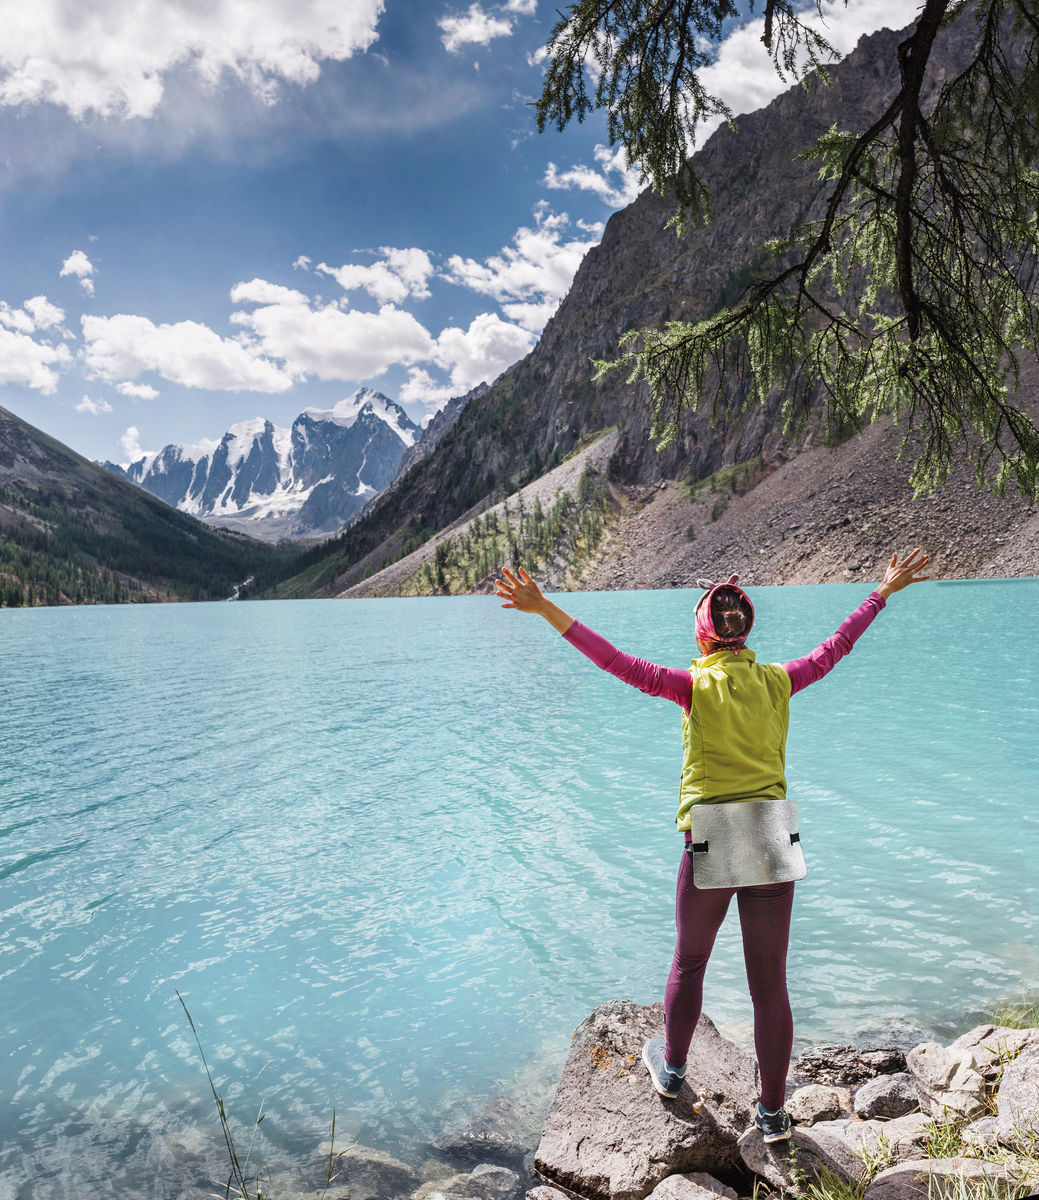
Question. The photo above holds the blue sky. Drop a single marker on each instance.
(249, 207)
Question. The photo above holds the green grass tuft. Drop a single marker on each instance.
(1022, 1013)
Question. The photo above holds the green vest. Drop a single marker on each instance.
(734, 735)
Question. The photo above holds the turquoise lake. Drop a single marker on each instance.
(394, 851)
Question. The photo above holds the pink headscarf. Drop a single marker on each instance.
(705, 631)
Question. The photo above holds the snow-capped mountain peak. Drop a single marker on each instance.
(347, 412)
(241, 437)
(275, 482)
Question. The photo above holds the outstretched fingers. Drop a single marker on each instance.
(522, 593)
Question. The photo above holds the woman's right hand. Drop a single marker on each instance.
(901, 574)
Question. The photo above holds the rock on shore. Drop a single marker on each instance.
(610, 1136)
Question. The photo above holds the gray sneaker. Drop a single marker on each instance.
(666, 1079)
(774, 1126)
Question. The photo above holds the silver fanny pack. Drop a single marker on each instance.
(743, 843)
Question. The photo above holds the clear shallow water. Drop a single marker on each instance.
(398, 850)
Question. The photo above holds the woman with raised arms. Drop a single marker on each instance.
(732, 796)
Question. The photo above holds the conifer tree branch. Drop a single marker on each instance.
(914, 291)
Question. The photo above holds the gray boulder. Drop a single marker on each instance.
(817, 1102)
(847, 1065)
(610, 1136)
(993, 1046)
(1018, 1101)
(886, 1096)
(696, 1185)
(806, 1154)
(947, 1081)
(982, 1134)
(364, 1173)
(544, 1192)
(489, 1182)
(996, 1036)
(498, 1130)
(887, 1142)
(444, 1186)
(938, 1179)
(894, 1031)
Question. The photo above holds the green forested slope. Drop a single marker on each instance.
(71, 533)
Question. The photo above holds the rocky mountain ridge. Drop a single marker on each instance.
(641, 274)
(305, 481)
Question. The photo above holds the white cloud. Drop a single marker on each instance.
(79, 265)
(743, 74)
(533, 317)
(302, 263)
(420, 387)
(94, 407)
(139, 391)
(402, 273)
(111, 58)
(334, 344)
(44, 314)
(131, 445)
(37, 313)
(473, 28)
(614, 182)
(259, 291)
(531, 276)
(121, 347)
(26, 361)
(525, 8)
(481, 352)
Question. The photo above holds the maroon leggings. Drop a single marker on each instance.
(765, 922)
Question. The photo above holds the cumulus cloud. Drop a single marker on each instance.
(79, 265)
(468, 357)
(473, 28)
(481, 352)
(613, 181)
(302, 263)
(121, 347)
(743, 74)
(525, 8)
(24, 360)
(396, 277)
(112, 59)
(37, 313)
(259, 291)
(420, 387)
(333, 344)
(139, 391)
(44, 314)
(94, 407)
(131, 446)
(531, 276)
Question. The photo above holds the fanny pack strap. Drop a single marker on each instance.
(692, 847)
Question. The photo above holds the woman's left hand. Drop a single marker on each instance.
(522, 593)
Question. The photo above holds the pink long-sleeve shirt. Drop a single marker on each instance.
(675, 684)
